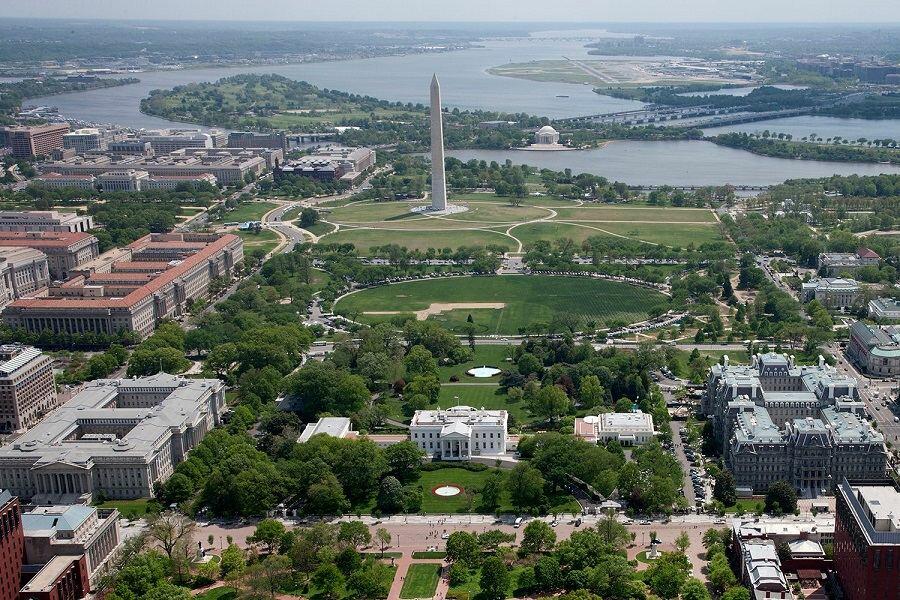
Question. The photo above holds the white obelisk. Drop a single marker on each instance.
(438, 178)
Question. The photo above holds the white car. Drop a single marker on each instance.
(445, 535)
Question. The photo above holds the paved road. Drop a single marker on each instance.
(873, 392)
(676, 427)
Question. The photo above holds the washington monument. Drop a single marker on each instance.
(438, 178)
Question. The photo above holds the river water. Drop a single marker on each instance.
(466, 84)
(676, 163)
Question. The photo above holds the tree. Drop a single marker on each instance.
(369, 582)
(537, 537)
(232, 562)
(404, 460)
(179, 488)
(462, 547)
(166, 591)
(171, 529)
(491, 539)
(419, 361)
(390, 495)
(683, 542)
(781, 498)
(591, 392)
(268, 576)
(736, 593)
(551, 402)
(694, 589)
(492, 491)
(494, 579)
(308, 217)
(724, 489)
(720, 575)
(667, 574)
(612, 533)
(269, 532)
(354, 534)
(329, 581)
(383, 537)
(526, 486)
(326, 497)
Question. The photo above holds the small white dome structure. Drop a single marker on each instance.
(546, 135)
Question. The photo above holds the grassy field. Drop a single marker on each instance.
(421, 580)
(248, 211)
(364, 239)
(528, 300)
(623, 213)
(492, 356)
(128, 508)
(487, 396)
(473, 481)
(222, 593)
(652, 233)
(320, 228)
(264, 239)
(470, 588)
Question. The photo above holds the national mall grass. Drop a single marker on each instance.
(421, 580)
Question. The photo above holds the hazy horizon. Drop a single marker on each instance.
(837, 12)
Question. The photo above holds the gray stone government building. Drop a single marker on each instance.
(116, 436)
(776, 421)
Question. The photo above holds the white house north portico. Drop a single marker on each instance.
(459, 433)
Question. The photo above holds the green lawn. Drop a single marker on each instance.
(265, 239)
(248, 211)
(748, 505)
(487, 396)
(221, 593)
(421, 580)
(474, 481)
(678, 234)
(593, 212)
(529, 301)
(364, 239)
(490, 355)
(319, 228)
(127, 508)
(471, 587)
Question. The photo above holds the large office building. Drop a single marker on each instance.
(83, 140)
(27, 387)
(250, 139)
(227, 165)
(126, 180)
(331, 163)
(832, 292)
(459, 433)
(875, 349)
(65, 252)
(884, 309)
(115, 438)
(156, 279)
(836, 264)
(28, 141)
(867, 540)
(23, 272)
(57, 181)
(44, 220)
(629, 429)
(166, 142)
(776, 421)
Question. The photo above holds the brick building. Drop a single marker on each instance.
(12, 546)
(28, 141)
(867, 540)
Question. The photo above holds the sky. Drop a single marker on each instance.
(655, 11)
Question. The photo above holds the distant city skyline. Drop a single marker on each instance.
(563, 11)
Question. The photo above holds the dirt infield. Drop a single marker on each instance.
(437, 308)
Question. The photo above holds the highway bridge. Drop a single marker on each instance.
(694, 116)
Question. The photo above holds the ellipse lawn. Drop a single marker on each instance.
(529, 300)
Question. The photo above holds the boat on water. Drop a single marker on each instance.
(562, 95)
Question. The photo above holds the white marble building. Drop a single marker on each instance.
(459, 433)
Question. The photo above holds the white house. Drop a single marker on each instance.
(459, 433)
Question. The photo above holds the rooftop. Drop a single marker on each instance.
(332, 426)
(464, 414)
(46, 239)
(46, 520)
